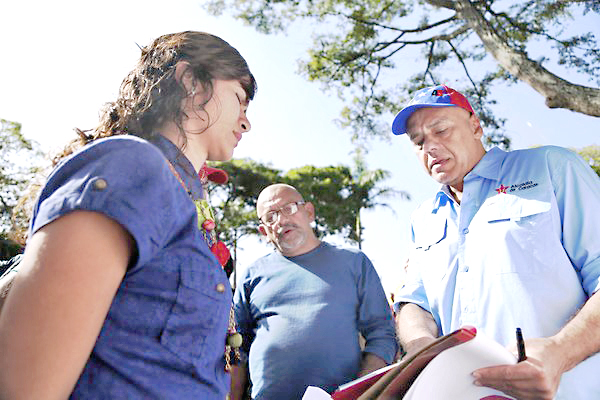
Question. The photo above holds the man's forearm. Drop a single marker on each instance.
(548, 358)
(415, 327)
(579, 337)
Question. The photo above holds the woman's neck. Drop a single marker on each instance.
(193, 150)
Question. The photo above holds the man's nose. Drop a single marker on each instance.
(281, 218)
(429, 145)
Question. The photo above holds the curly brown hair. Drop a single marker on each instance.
(150, 95)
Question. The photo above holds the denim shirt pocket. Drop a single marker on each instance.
(196, 326)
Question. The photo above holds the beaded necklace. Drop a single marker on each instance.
(207, 227)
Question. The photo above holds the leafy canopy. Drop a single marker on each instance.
(338, 193)
(591, 154)
(374, 53)
(21, 162)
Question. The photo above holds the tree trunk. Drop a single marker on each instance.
(359, 230)
(558, 92)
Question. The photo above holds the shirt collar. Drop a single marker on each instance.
(182, 165)
(488, 167)
(442, 197)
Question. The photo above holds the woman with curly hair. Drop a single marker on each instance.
(119, 294)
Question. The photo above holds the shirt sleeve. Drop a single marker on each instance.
(128, 180)
(375, 321)
(577, 189)
(412, 290)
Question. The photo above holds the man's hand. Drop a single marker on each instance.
(535, 378)
(370, 362)
(414, 346)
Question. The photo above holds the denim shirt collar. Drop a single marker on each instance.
(182, 165)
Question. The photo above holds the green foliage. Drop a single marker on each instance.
(591, 154)
(235, 201)
(328, 188)
(21, 161)
(359, 47)
(337, 192)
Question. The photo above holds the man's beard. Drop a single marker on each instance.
(287, 244)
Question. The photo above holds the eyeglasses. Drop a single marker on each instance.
(272, 216)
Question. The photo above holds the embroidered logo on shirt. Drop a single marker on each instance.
(518, 186)
(502, 189)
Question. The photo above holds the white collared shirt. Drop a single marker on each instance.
(521, 250)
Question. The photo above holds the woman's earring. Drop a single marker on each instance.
(192, 93)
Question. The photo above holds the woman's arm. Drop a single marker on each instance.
(5, 285)
(70, 273)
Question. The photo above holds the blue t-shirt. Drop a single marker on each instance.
(164, 335)
(300, 318)
(521, 250)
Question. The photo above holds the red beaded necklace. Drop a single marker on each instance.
(206, 221)
(207, 226)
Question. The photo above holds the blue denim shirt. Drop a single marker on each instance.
(164, 334)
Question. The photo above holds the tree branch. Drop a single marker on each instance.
(462, 62)
(559, 93)
(444, 37)
(429, 59)
(449, 4)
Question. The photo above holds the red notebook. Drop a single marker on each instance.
(393, 381)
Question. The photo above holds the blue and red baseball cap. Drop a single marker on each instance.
(433, 96)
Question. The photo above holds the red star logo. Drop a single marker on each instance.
(502, 189)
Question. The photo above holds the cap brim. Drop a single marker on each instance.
(399, 124)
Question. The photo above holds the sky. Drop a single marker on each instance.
(62, 60)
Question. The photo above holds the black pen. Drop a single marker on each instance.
(521, 346)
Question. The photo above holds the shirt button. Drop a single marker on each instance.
(220, 288)
(100, 184)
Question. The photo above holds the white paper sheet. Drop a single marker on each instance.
(448, 376)
(315, 393)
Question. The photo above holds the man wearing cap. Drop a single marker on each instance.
(511, 239)
(300, 309)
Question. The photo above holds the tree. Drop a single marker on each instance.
(21, 162)
(360, 43)
(337, 194)
(235, 202)
(328, 189)
(366, 191)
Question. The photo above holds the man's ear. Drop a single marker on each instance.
(310, 209)
(184, 76)
(262, 230)
(476, 126)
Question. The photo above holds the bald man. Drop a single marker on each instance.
(300, 309)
